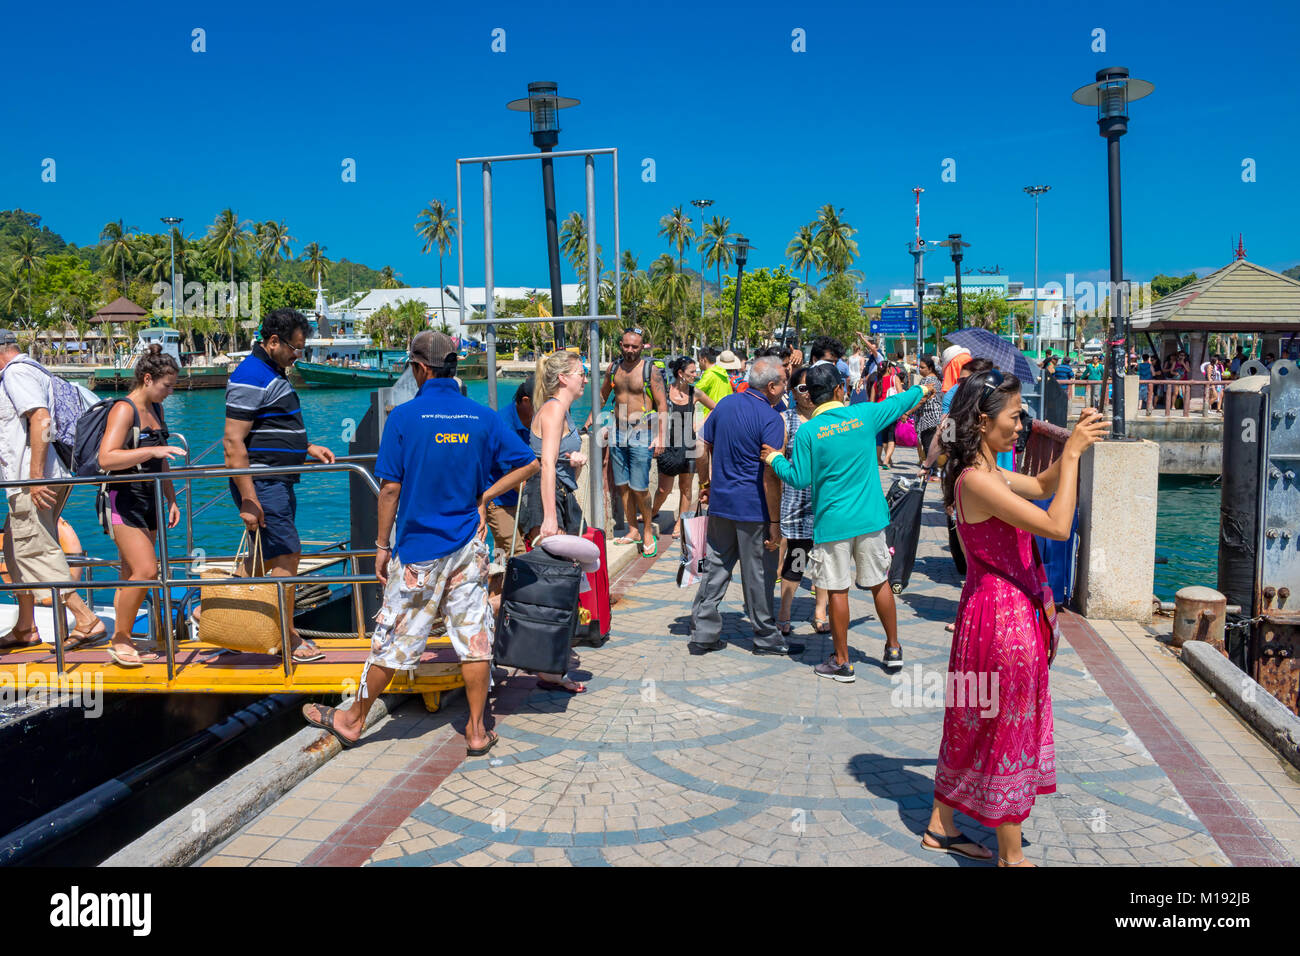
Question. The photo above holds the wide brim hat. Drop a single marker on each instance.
(730, 362)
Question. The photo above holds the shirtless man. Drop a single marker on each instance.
(634, 421)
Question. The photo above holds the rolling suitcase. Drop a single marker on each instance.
(904, 531)
(593, 601)
(539, 613)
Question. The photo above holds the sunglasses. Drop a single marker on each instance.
(993, 380)
(801, 388)
(635, 331)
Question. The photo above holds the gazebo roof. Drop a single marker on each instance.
(1240, 297)
(120, 309)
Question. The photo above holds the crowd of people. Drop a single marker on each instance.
(783, 456)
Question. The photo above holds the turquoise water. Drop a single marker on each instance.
(1187, 533)
(330, 415)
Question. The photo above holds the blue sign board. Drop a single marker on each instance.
(895, 320)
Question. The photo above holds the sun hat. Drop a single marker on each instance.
(572, 547)
(729, 361)
(950, 353)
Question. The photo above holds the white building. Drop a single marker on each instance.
(1053, 309)
(441, 305)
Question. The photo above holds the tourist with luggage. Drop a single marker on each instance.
(834, 456)
(797, 517)
(31, 536)
(265, 427)
(997, 752)
(435, 456)
(550, 498)
(744, 504)
(135, 440)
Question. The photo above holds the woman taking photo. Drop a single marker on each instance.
(997, 752)
(797, 518)
(677, 461)
(931, 413)
(135, 440)
(548, 504)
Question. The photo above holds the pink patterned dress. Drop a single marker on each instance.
(997, 753)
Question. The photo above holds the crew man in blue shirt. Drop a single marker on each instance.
(442, 448)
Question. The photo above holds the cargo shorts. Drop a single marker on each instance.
(454, 588)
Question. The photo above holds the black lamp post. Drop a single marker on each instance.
(955, 247)
(173, 221)
(742, 253)
(543, 105)
(1111, 93)
(785, 326)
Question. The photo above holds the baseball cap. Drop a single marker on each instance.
(7, 337)
(434, 349)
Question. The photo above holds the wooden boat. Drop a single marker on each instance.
(191, 377)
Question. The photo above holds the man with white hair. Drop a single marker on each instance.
(744, 501)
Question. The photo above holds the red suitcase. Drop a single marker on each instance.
(593, 604)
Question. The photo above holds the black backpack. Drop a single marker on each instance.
(90, 435)
(539, 612)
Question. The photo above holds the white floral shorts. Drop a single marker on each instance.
(454, 588)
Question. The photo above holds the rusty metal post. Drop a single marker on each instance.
(1200, 614)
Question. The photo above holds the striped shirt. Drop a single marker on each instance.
(259, 392)
(796, 503)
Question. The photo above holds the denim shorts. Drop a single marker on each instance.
(280, 507)
(630, 458)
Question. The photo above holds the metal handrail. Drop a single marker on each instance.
(163, 584)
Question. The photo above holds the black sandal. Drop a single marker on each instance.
(482, 751)
(326, 722)
(949, 844)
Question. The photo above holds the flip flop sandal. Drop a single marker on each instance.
(627, 539)
(122, 661)
(8, 642)
(326, 722)
(309, 657)
(652, 552)
(949, 844)
(482, 751)
(785, 628)
(821, 626)
(552, 685)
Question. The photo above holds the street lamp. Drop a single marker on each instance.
(955, 247)
(701, 205)
(786, 324)
(742, 253)
(173, 221)
(543, 104)
(1111, 93)
(1036, 191)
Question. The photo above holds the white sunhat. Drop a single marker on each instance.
(950, 353)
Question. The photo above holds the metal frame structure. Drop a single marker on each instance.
(592, 318)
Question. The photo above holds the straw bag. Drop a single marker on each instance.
(241, 617)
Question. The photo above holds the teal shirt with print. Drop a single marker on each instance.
(835, 453)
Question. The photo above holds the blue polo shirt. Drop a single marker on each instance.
(443, 448)
(737, 430)
(510, 415)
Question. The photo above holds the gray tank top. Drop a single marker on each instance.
(570, 442)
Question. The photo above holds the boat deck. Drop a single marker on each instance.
(207, 669)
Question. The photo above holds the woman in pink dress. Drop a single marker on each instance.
(997, 753)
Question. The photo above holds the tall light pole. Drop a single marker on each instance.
(955, 247)
(742, 254)
(1036, 191)
(543, 104)
(918, 254)
(1111, 93)
(701, 205)
(173, 221)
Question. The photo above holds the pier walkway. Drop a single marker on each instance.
(730, 758)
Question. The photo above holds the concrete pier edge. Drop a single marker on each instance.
(235, 801)
(1253, 703)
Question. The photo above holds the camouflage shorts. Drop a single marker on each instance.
(454, 588)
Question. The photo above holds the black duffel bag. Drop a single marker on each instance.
(539, 613)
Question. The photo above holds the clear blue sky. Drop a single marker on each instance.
(142, 127)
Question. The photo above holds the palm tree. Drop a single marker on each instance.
(13, 296)
(669, 284)
(155, 260)
(387, 280)
(804, 252)
(636, 287)
(715, 243)
(227, 238)
(573, 242)
(273, 242)
(834, 235)
(117, 247)
(27, 256)
(318, 265)
(676, 228)
(437, 227)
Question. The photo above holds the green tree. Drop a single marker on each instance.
(26, 255)
(388, 279)
(835, 237)
(671, 289)
(834, 309)
(115, 238)
(318, 264)
(805, 253)
(676, 228)
(715, 244)
(763, 295)
(227, 239)
(273, 245)
(1163, 285)
(436, 225)
(278, 294)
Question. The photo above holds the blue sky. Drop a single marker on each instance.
(712, 93)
